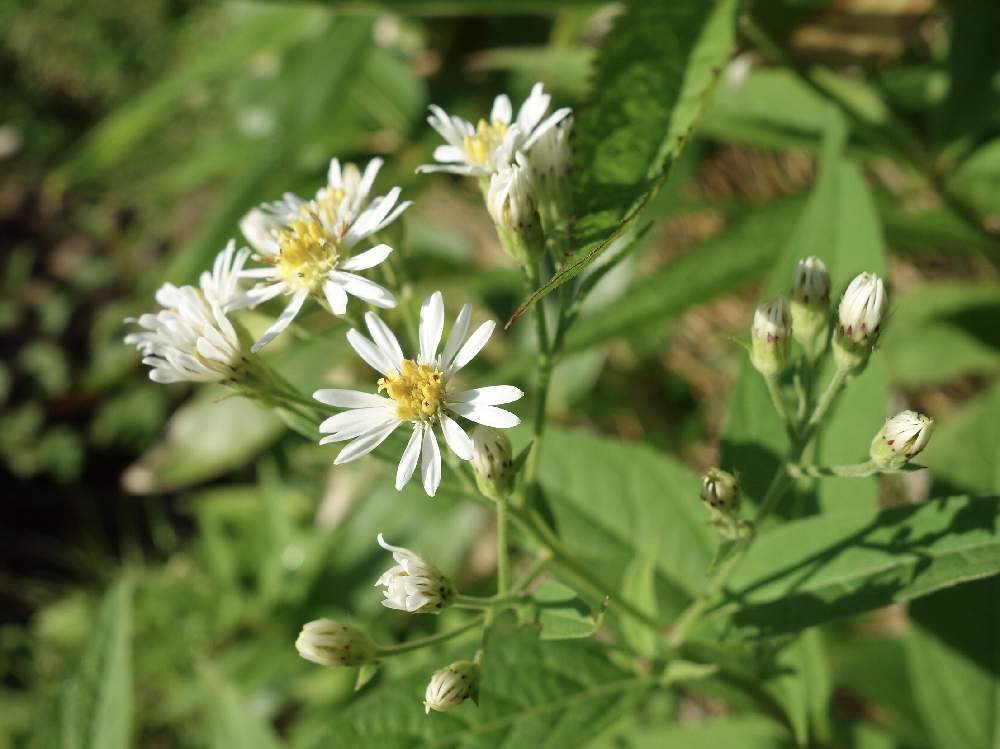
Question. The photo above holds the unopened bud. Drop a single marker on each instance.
(771, 334)
(513, 203)
(810, 304)
(859, 321)
(551, 158)
(492, 462)
(451, 686)
(720, 491)
(330, 643)
(412, 584)
(901, 438)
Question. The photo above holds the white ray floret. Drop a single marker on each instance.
(308, 246)
(412, 584)
(420, 392)
(480, 150)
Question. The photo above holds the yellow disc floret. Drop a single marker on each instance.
(307, 252)
(417, 390)
(480, 147)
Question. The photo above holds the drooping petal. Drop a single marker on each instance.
(457, 439)
(492, 395)
(490, 416)
(411, 455)
(430, 466)
(472, 346)
(283, 321)
(431, 327)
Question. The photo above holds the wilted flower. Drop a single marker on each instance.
(901, 438)
(330, 643)
(308, 246)
(451, 686)
(479, 150)
(771, 336)
(420, 391)
(492, 461)
(412, 584)
(511, 201)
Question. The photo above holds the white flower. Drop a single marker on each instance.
(221, 285)
(330, 643)
(901, 438)
(479, 150)
(412, 584)
(511, 195)
(451, 686)
(811, 282)
(190, 339)
(308, 245)
(551, 156)
(420, 392)
(862, 308)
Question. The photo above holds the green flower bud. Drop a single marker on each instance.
(492, 462)
(859, 322)
(901, 438)
(810, 304)
(720, 491)
(511, 199)
(330, 643)
(451, 686)
(771, 335)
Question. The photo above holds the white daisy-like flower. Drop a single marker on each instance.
(308, 246)
(419, 392)
(481, 149)
(412, 584)
(221, 285)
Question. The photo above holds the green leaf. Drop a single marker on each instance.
(639, 587)
(954, 657)
(533, 693)
(231, 717)
(561, 613)
(94, 706)
(650, 84)
(711, 733)
(963, 452)
(611, 499)
(822, 568)
(802, 687)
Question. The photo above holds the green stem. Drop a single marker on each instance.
(833, 389)
(492, 602)
(503, 557)
(774, 390)
(855, 470)
(542, 384)
(385, 651)
(534, 571)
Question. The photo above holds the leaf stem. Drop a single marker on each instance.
(490, 602)
(833, 388)
(854, 470)
(774, 390)
(385, 651)
(503, 556)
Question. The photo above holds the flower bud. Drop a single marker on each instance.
(413, 585)
(901, 438)
(512, 202)
(551, 158)
(330, 643)
(810, 303)
(451, 686)
(771, 334)
(492, 462)
(720, 490)
(859, 321)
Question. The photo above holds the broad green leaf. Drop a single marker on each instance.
(737, 256)
(232, 718)
(802, 687)
(611, 499)
(954, 657)
(834, 565)
(941, 332)
(710, 733)
(539, 694)
(561, 613)
(639, 587)
(94, 705)
(962, 455)
(650, 84)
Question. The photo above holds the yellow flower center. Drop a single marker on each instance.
(478, 147)
(306, 253)
(417, 390)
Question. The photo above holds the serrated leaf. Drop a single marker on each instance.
(94, 706)
(650, 84)
(823, 568)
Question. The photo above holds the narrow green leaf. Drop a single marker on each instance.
(963, 453)
(639, 587)
(650, 84)
(802, 687)
(823, 568)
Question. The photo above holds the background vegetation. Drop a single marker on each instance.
(160, 549)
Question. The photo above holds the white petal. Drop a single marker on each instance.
(502, 110)
(336, 297)
(350, 398)
(258, 273)
(365, 443)
(371, 353)
(490, 416)
(551, 121)
(371, 171)
(492, 395)
(411, 455)
(466, 170)
(256, 227)
(472, 346)
(283, 321)
(364, 289)
(385, 339)
(334, 175)
(449, 154)
(368, 222)
(430, 466)
(456, 335)
(368, 258)
(431, 326)
(256, 296)
(456, 438)
(533, 109)
(348, 420)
